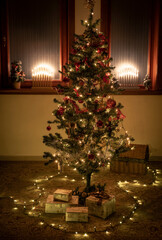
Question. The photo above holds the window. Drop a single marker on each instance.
(36, 32)
(132, 28)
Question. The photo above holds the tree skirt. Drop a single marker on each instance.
(25, 187)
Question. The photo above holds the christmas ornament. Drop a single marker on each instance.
(91, 156)
(48, 128)
(60, 111)
(99, 124)
(111, 103)
(81, 83)
(66, 79)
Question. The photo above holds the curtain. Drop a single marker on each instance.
(34, 31)
(129, 40)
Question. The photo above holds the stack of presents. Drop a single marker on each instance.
(62, 201)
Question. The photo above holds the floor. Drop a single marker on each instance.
(24, 187)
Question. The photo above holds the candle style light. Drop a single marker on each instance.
(42, 75)
(129, 73)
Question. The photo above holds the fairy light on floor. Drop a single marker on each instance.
(31, 206)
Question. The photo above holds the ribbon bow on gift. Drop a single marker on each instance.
(100, 195)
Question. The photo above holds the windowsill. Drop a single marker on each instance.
(29, 91)
(53, 90)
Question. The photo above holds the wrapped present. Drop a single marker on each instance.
(77, 214)
(100, 207)
(53, 206)
(63, 195)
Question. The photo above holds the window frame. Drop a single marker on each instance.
(67, 29)
(155, 42)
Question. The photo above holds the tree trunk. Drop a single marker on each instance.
(88, 178)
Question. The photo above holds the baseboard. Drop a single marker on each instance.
(40, 158)
(155, 159)
(21, 158)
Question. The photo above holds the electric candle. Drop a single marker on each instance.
(42, 75)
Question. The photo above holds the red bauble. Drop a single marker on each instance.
(85, 59)
(66, 99)
(48, 128)
(73, 51)
(99, 124)
(80, 101)
(100, 50)
(110, 119)
(106, 79)
(81, 83)
(60, 111)
(111, 103)
(101, 36)
(91, 156)
(66, 79)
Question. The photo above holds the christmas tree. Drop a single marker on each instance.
(88, 113)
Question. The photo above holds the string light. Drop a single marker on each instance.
(15, 208)
(60, 227)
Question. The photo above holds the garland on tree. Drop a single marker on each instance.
(88, 113)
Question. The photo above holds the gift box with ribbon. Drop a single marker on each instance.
(63, 195)
(101, 206)
(77, 214)
(53, 206)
